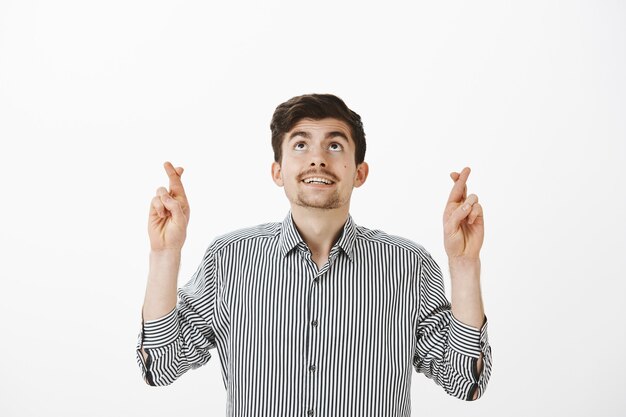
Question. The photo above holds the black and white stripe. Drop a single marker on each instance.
(297, 341)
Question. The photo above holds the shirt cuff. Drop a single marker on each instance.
(161, 332)
(468, 340)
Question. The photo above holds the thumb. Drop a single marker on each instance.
(174, 207)
(179, 170)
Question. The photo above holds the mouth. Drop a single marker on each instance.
(318, 181)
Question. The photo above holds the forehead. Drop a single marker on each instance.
(322, 126)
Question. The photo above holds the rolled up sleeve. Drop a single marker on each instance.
(181, 340)
(448, 350)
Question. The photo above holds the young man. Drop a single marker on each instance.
(316, 315)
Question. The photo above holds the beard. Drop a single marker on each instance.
(319, 202)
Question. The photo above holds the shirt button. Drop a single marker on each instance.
(314, 323)
(316, 280)
(312, 368)
(310, 412)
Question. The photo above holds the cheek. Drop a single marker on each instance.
(289, 173)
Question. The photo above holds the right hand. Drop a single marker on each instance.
(169, 213)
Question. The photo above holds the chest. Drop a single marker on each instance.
(281, 298)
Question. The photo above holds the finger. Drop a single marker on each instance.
(459, 188)
(469, 202)
(158, 207)
(162, 191)
(176, 185)
(462, 211)
(175, 209)
(477, 211)
(180, 171)
(455, 176)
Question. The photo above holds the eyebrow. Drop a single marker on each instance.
(307, 135)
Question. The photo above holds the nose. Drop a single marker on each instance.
(318, 157)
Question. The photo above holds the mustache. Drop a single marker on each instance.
(320, 172)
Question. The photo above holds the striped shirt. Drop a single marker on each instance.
(295, 340)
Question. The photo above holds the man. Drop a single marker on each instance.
(316, 315)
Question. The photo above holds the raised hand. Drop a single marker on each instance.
(169, 213)
(463, 223)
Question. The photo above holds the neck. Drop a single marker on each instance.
(319, 228)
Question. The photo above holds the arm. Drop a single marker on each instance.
(167, 229)
(464, 231)
(181, 339)
(173, 338)
(451, 348)
(463, 238)
(160, 298)
(467, 303)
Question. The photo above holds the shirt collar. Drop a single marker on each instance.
(290, 237)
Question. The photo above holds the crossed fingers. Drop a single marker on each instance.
(468, 205)
(176, 192)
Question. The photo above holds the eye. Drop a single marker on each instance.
(335, 146)
(299, 146)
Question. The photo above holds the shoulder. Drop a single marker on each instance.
(375, 237)
(261, 232)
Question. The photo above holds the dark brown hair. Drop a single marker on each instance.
(316, 107)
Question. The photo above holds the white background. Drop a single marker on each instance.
(95, 96)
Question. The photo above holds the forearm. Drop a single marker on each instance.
(161, 288)
(467, 303)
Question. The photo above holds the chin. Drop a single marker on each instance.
(324, 205)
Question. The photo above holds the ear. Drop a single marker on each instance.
(361, 174)
(277, 176)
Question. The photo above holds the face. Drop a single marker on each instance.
(317, 167)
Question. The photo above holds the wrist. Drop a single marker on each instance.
(164, 261)
(463, 262)
(166, 253)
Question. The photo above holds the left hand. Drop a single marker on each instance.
(463, 225)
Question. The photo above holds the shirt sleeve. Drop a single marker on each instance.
(447, 350)
(181, 340)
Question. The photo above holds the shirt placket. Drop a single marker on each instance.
(313, 331)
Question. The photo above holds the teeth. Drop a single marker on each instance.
(318, 180)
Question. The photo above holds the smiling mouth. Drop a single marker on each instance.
(317, 181)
